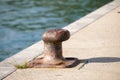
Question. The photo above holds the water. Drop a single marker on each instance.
(22, 22)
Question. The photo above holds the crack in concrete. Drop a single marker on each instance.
(84, 63)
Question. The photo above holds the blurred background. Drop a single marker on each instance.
(22, 22)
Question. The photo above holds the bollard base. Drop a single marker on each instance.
(66, 63)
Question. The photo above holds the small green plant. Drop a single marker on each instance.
(21, 66)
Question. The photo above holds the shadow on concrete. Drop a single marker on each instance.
(95, 60)
(102, 59)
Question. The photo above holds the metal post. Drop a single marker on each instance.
(53, 51)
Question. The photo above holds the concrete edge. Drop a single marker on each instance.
(91, 17)
(8, 65)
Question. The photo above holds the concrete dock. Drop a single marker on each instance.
(97, 46)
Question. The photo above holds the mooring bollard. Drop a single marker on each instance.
(53, 57)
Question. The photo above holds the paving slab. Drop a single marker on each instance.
(97, 46)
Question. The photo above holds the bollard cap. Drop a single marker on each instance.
(56, 35)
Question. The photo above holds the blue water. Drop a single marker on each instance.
(22, 22)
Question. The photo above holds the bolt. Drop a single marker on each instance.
(53, 50)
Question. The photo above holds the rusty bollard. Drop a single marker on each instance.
(53, 57)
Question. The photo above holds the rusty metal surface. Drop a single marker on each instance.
(53, 51)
